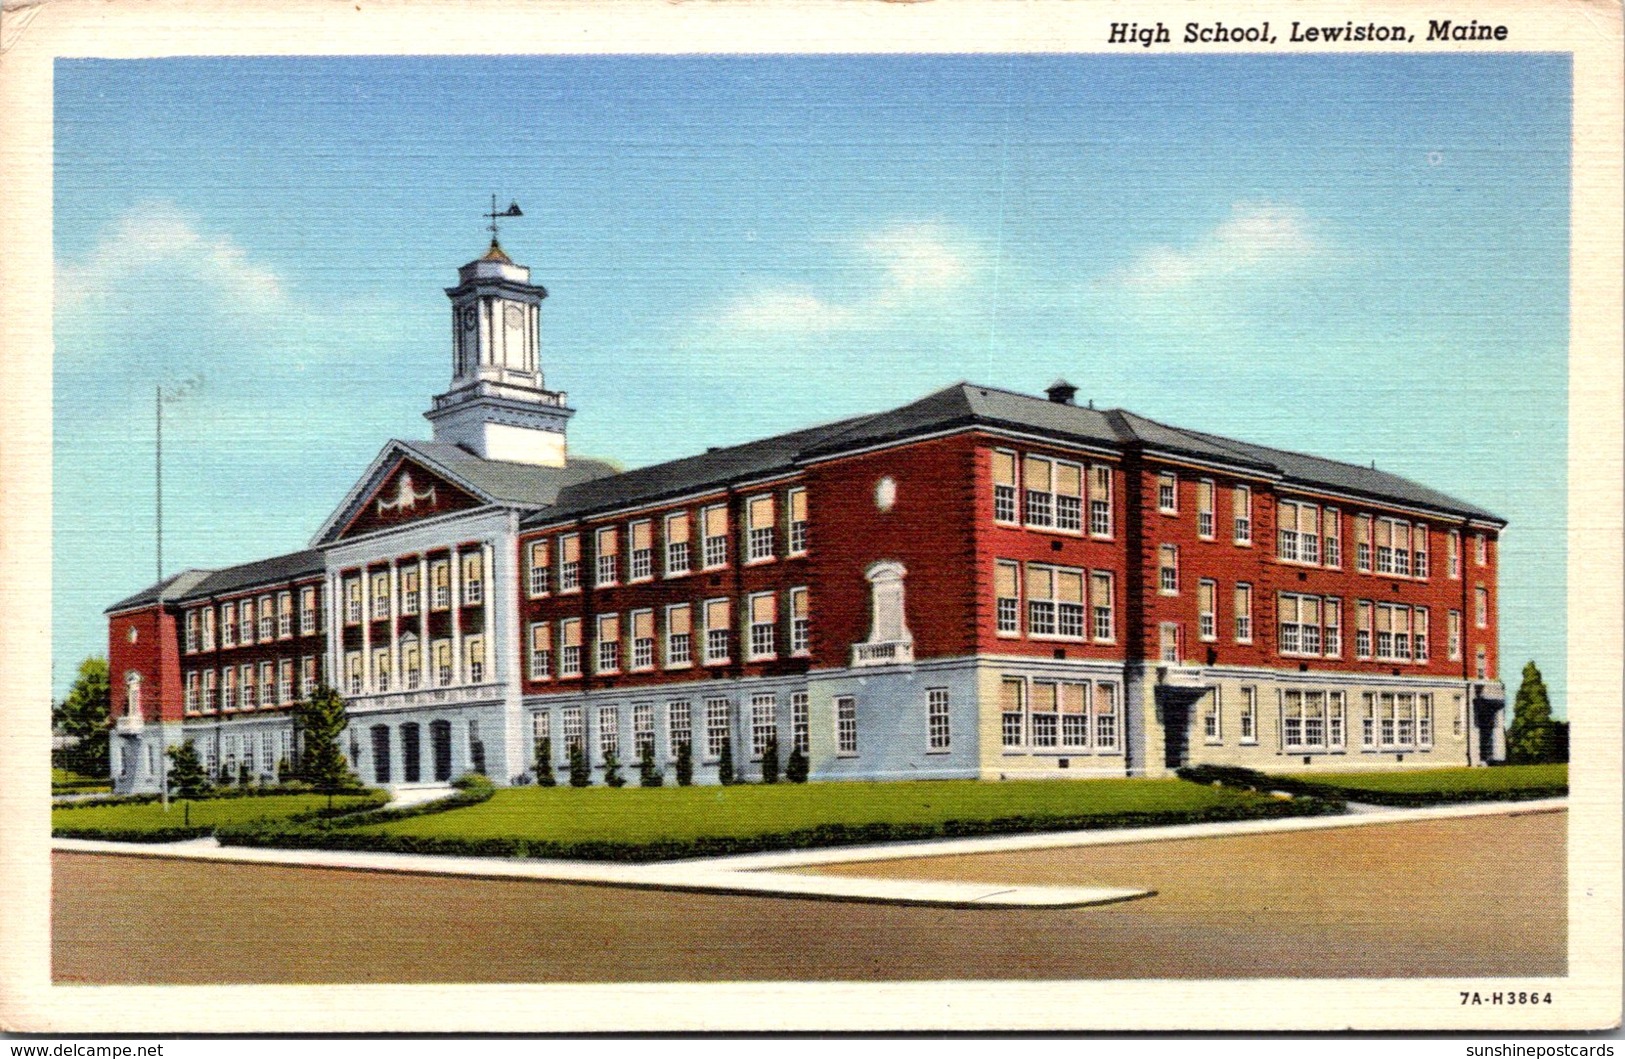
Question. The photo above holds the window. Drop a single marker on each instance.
(410, 590)
(1069, 497)
(1054, 491)
(936, 720)
(677, 557)
(440, 585)
(193, 624)
(1204, 508)
(1043, 721)
(1212, 718)
(1393, 547)
(1393, 632)
(1452, 554)
(1244, 613)
(1100, 500)
(228, 688)
(1298, 624)
(352, 602)
(1168, 493)
(208, 701)
(643, 730)
(609, 733)
(643, 639)
(473, 579)
(570, 562)
(1458, 711)
(679, 726)
(1481, 607)
(1004, 486)
(1013, 710)
(800, 721)
(245, 684)
(353, 672)
(1453, 635)
(1168, 569)
(573, 725)
(411, 663)
(764, 616)
(1368, 720)
(1332, 526)
(1419, 634)
(1332, 615)
(1298, 529)
(1419, 554)
(759, 528)
(541, 650)
(641, 538)
(380, 596)
(1481, 549)
(798, 521)
(1054, 602)
(716, 727)
(800, 622)
(284, 684)
(1249, 715)
(245, 616)
(607, 550)
(1040, 497)
(1424, 721)
(307, 676)
(846, 725)
(1006, 597)
(570, 647)
(1242, 505)
(228, 625)
(1481, 666)
(307, 610)
(193, 684)
(541, 563)
(1362, 543)
(474, 658)
(1311, 720)
(442, 663)
(609, 643)
(717, 619)
(714, 528)
(1169, 646)
(763, 724)
(541, 727)
(1105, 716)
(1207, 621)
(1100, 600)
(267, 619)
(208, 628)
(679, 643)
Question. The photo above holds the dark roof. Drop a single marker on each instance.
(520, 484)
(965, 404)
(171, 587)
(199, 584)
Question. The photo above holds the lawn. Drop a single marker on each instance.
(636, 815)
(149, 818)
(65, 781)
(1445, 782)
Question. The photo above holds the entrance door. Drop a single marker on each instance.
(380, 753)
(440, 743)
(1176, 735)
(411, 754)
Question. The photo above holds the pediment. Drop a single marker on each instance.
(406, 491)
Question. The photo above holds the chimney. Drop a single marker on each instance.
(1061, 392)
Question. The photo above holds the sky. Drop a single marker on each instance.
(1360, 256)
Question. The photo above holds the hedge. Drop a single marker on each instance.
(341, 834)
(1250, 779)
(181, 833)
(272, 790)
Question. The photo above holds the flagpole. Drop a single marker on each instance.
(158, 537)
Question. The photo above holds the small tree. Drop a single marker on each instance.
(322, 719)
(795, 769)
(544, 763)
(245, 772)
(580, 768)
(83, 713)
(283, 770)
(186, 776)
(612, 770)
(685, 764)
(1532, 737)
(770, 759)
(648, 775)
(725, 765)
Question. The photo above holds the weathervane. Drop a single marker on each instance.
(513, 210)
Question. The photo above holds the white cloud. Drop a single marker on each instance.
(919, 256)
(784, 309)
(1254, 236)
(155, 237)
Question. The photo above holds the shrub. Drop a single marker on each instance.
(725, 766)
(580, 770)
(474, 781)
(186, 776)
(612, 770)
(770, 759)
(685, 764)
(544, 763)
(648, 775)
(795, 769)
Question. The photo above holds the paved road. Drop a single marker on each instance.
(1465, 897)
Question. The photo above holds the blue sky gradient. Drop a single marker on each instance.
(1363, 257)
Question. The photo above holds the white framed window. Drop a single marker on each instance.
(800, 622)
(1331, 613)
(609, 732)
(937, 734)
(800, 721)
(1054, 602)
(1100, 602)
(1393, 632)
(380, 669)
(474, 659)
(573, 726)
(228, 688)
(354, 672)
(718, 618)
(1171, 642)
(1168, 493)
(1100, 500)
(716, 727)
(714, 530)
(1005, 486)
(1424, 721)
(1013, 711)
(194, 684)
(228, 625)
(1074, 705)
(308, 676)
(440, 585)
(208, 701)
(1368, 720)
(570, 562)
(208, 628)
(1205, 490)
(1310, 720)
(1481, 607)
(352, 602)
(1452, 550)
(1419, 550)
(679, 726)
(539, 568)
(678, 561)
(1419, 633)
(284, 690)
(1249, 715)
(763, 613)
(1244, 613)
(607, 551)
(245, 619)
(1053, 495)
(307, 610)
(1106, 717)
(643, 639)
(1332, 527)
(541, 727)
(1242, 514)
(679, 638)
(1007, 597)
(643, 730)
(1481, 665)
(570, 647)
(473, 579)
(541, 650)
(1299, 625)
(1362, 629)
(1362, 543)
(411, 590)
(797, 503)
(1481, 550)
(759, 521)
(193, 625)
(1393, 547)
(267, 684)
(380, 596)
(1453, 635)
(1298, 530)
(1043, 715)
(1168, 569)
(640, 538)
(1207, 617)
(763, 723)
(609, 643)
(846, 726)
(411, 662)
(267, 619)
(443, 671)
(1212, 718)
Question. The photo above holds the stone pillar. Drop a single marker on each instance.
(335, 630)
(425, 655)
(367, 685)
(495, 661)
(394, 626)
(455, 579)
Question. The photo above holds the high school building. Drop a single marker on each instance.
(977, 584)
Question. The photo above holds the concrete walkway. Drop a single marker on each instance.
(762, 874)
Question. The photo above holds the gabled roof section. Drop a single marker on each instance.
(278, 569)
(165, 591)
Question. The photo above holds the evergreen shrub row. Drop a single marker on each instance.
(1250, 779)
(375, 800)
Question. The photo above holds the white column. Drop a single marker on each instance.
(335, 630)
(394, 626)
(425, 656)
(495, 661)
(456, 582)
(366, 630)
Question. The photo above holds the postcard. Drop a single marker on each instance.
(811, 517)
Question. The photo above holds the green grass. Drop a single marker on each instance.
(65, 781)
(1508, 778)
(149, 818)
(637, 815)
